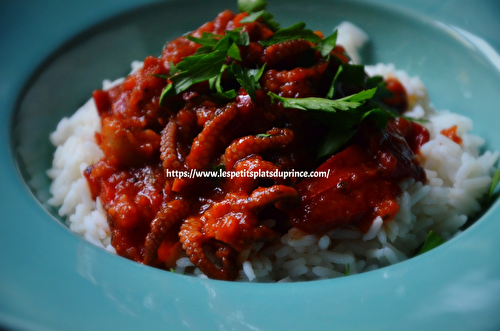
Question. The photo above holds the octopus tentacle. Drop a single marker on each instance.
(168, 146)
(232, 225)
(252, 164)
(205, 144)
(168, 217)
(193, 242)
(264, 196)
(241, 230)
(284, 54)
(306, 81)
(248, 145)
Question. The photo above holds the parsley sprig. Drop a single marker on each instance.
(494, 183)
(248, 78)
(250, 6)
(207, 63)
(266, 17)
(296, 31)
(432, 241)
(351, 102)
(256, 10)
(344, 115)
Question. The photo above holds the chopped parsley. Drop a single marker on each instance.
(266, 17)
(251, 6)
(207, 39)
(296, 31)
(351, 102)
(345, 116)
(327, 44)
(256, 10)
(432, 241)
(217, 171)
(216, 86)
(219, 56)
(248, 78)
(494, 183)
(205, 64)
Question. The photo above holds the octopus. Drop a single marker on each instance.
(157, 213)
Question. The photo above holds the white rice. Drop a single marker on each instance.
(458, 175)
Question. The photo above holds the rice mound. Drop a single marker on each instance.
(458, 177)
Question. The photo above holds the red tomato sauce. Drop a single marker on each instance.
(363, 181)
(452, 134)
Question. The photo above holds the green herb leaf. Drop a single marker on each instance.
(262, 135)
(318, 104)
(350, 74)
(204, 50)
(234, 52)
(167, 91)
(266, 17)
(198, 68)
(207, 39)
(418, 120)
(334, 140)
(347, 269)
(296, 31)
(382, 91)
(253, 17)
(326, 45)
(218, 169)
(331, 91)
(374, 81)
(160, 76)
(250, 6)
(494, 183)
(216, 85)
(379, 116)
(243, 39)
(172, 68)
(248, 78)
(432, 241)
(327, 105)
(236, 36)
(360, 96)
(206, 63)
(342, 115)
(353, 74)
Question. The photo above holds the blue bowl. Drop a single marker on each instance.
(56, 54)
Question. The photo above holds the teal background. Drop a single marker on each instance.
(54, 53)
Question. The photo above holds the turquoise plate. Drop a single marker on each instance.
(53, 54)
